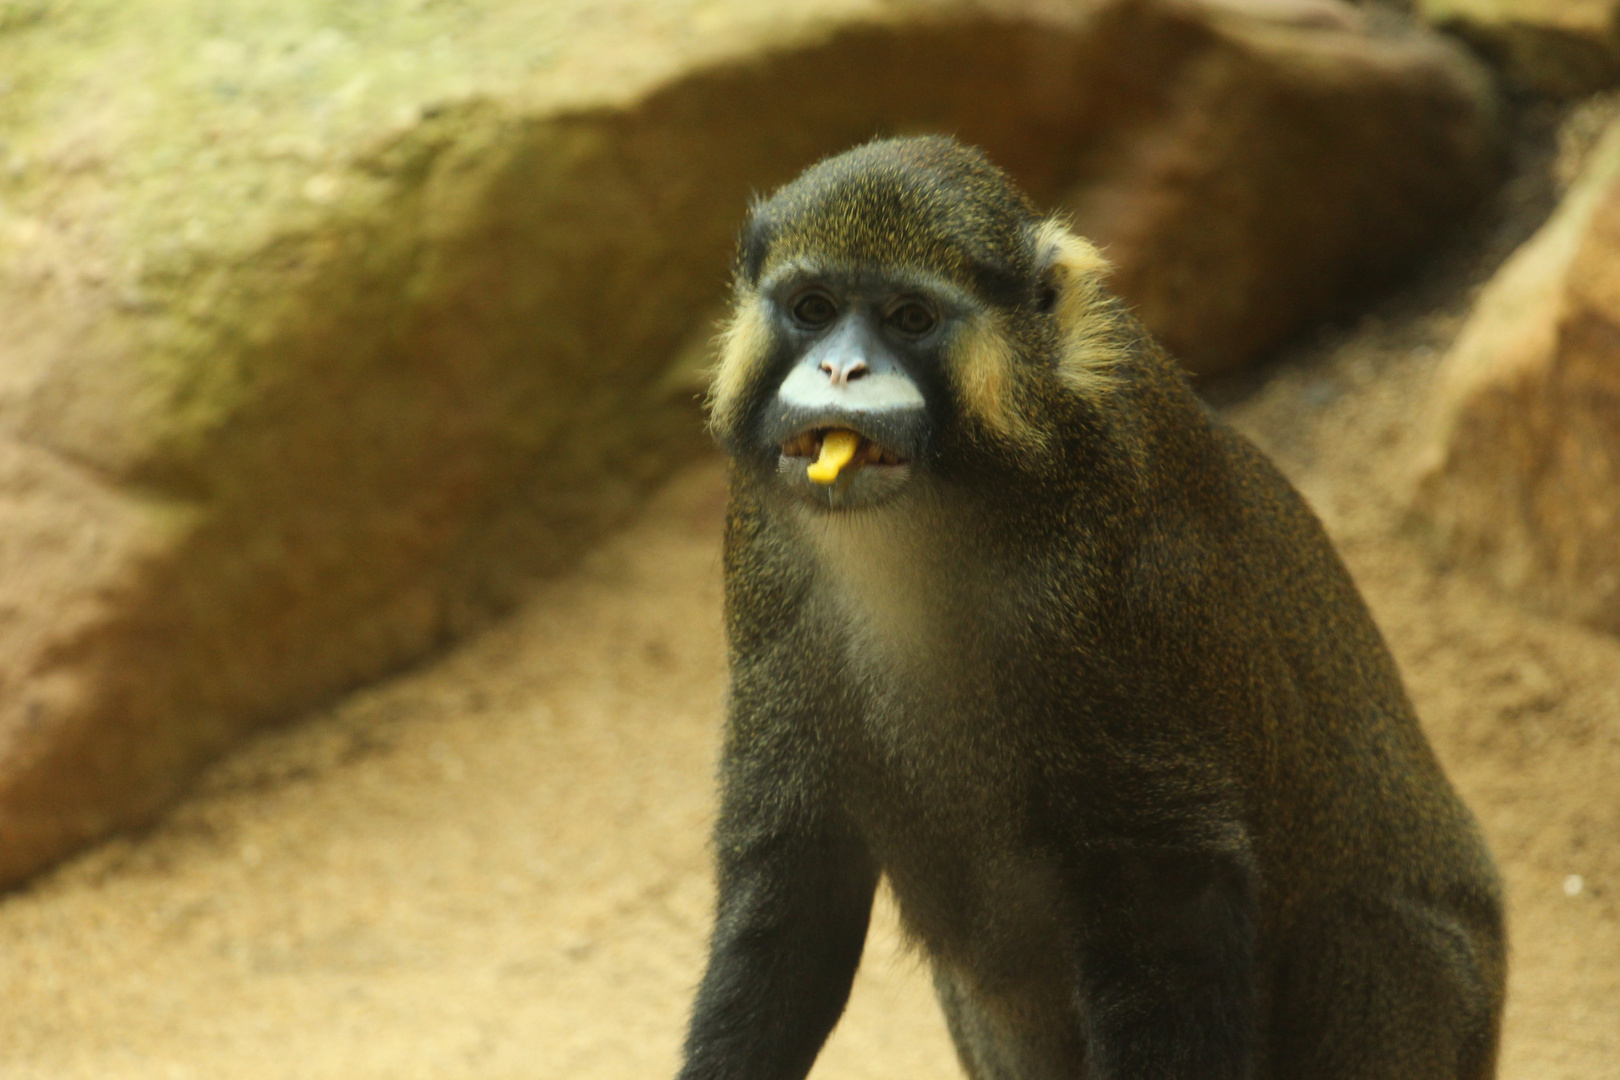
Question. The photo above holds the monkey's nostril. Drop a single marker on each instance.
(839, 376)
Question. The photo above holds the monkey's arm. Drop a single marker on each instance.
(1167, 965)
(795, 895)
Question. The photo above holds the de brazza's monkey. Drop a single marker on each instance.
(1017, 624)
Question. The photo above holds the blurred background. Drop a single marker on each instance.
(360, 648)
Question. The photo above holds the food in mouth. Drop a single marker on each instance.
(834, 451)
(837, 448)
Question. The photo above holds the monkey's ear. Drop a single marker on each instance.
(753, 244)
(744, 347)
(1071, 276)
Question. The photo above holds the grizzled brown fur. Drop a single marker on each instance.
(1083, 680)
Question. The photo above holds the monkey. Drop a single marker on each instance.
(1019, 627)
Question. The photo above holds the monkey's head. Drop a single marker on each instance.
(902, 311)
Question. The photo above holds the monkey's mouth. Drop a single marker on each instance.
(830, 465)
(831, 451)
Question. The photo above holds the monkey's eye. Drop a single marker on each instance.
(814, 309)
(912, 318)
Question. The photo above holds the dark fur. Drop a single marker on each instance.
(1138, 766)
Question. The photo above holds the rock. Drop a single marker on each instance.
(1269, 176)
(1522, 480)
(323, 328)
(1561, 47)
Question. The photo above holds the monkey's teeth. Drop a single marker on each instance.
(805, 445)
(861, 452)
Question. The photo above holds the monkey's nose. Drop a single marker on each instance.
(843, 374)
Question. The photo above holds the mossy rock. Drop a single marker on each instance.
(324, 326)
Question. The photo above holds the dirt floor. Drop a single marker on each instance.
(496, 866)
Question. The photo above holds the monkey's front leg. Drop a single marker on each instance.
(795, 899)
(1166, 953)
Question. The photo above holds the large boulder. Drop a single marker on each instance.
(1276, 161)
(1522, 480)
(322, 326)
(1560, 47)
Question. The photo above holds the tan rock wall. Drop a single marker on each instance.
(1523, 479)
(321, 329)
(1560, 47)
(1293, 159)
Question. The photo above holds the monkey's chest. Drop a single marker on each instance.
(941, 781)
(974, 897)
(943, 801)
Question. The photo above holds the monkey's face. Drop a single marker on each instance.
(852, 390)
(848, 389)
(904, 319)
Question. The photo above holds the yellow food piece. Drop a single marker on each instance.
(837, 447)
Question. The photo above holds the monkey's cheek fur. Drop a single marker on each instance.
(857, 487)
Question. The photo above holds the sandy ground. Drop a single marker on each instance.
(496, 866)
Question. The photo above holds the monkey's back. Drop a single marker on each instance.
(1348, 797)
